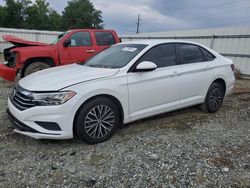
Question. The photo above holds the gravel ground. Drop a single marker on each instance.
(186, 148)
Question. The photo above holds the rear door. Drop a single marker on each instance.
(194, 70)
(103, 40)
(80, 49)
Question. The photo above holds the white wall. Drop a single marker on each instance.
(32, 35)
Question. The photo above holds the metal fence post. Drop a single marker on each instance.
(212, 41)
(37, 37)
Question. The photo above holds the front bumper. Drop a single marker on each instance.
(25, 121)
(7, 73)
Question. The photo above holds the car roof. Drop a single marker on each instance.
(158, 41)
(102, 30)
(154, 42)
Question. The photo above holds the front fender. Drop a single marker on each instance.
(121, 95)
(28, 53)
(102, 92)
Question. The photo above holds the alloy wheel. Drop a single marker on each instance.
(99, 121)
(215, 99)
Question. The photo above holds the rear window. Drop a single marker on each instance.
(207, 54)
(104, 38)
(190, 53)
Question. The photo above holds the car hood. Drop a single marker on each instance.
(54, 79)
(21, 42)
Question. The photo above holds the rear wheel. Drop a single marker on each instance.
(214, 98)
(34, 67)
(97, 120)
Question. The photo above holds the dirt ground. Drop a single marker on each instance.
(1, 57)
(185, 148)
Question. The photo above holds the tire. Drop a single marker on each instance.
(97, 120)
(214, 98)
(34, 67)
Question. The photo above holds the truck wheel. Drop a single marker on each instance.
(34, 67)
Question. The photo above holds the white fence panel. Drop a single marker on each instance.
(32, 35)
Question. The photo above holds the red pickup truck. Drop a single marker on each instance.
(70, 47)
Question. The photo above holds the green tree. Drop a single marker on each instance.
(40, 16)
(37, 15)
(55, 21)
(13, 14)
(2, 16)
(81, 14)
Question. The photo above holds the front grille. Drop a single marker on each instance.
(21, 98)
(10, 57)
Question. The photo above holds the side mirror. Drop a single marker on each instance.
(146, 66)
(60, 36)
(67, 42)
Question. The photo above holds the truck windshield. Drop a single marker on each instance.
(115, 57)
(59, 37)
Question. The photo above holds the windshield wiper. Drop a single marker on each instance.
(100, 66)
(93, 65)
(81, 63)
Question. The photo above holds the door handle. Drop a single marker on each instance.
(208, 67)
(175, 73)
(90, 51)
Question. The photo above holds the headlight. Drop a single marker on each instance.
(47, 99)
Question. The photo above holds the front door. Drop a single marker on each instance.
(80, 49)
(156, 91)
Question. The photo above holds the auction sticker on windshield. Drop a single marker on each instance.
(129, 49)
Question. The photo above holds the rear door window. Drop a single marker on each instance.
(104, 38)
(190, 53)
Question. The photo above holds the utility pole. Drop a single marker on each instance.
(138, 24)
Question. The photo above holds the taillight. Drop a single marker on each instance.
(232, 67)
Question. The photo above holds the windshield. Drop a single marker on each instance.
(59, 37)
(116, 56)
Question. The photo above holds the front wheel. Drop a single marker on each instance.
(34, 67)
(97, 120)
(214, 98)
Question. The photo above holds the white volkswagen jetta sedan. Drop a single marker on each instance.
(124, 83)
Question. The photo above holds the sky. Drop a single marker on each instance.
(165, 15)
